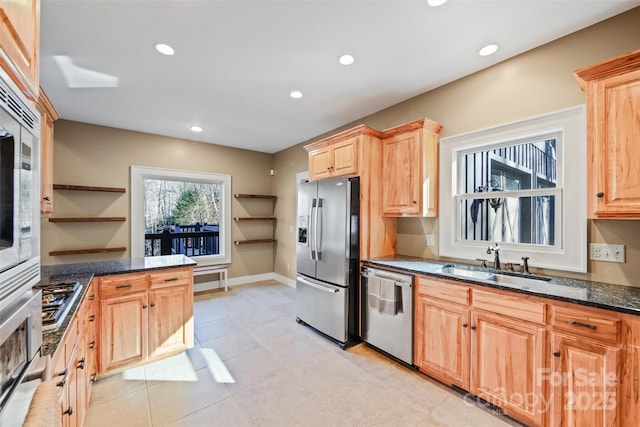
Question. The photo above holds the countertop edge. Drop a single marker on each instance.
(596, 289)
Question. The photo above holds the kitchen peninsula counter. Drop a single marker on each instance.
(83, 273)
(624, 299)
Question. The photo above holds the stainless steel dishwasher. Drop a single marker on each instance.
(387, 327)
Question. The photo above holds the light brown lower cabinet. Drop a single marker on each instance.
(543, 362)
(145, 316)
(74, 362)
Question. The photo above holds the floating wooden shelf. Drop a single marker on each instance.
(90, 219)
(87, 251)
(254, 196)
(89, 188)
(251, 242)
(255, 218)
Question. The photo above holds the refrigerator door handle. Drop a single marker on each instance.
(311, 233)
(317, 239)
(317, 286)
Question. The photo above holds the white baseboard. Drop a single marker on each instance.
(215, 284)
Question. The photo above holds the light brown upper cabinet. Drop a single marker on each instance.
(20, 43)
(358, 152)
(613, 136)
(334, 157)
(410, 169)
(49, 115)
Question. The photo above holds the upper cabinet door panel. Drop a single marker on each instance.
(613, 132)
(619, 144)
(20, 42)
(401, 182)
(345, 157)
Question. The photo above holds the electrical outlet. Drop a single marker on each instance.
(431, 240)
(608, 253)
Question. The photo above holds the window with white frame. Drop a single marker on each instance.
(180, 212)
(522, 185)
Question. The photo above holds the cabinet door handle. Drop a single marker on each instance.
(473, 327)
(127, 286)
(92, 345)
(583, 325)
(63, 381)
(92, 318)
(69, 411)
(556, 353)
(144, 306)
(153, 305)
(600, 194)
(93, 377)
(81, 363)
(91, 297)
(173, 279)
(465, 324)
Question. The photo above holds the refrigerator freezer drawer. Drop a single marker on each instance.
(323, 307)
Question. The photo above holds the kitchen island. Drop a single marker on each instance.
(118, 314)
(84, 272)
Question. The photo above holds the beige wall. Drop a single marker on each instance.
(533, 83)
(100, 156)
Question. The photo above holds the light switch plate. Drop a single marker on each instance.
(608, 253)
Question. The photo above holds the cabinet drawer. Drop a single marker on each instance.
(119, 285)
(444, 290)
(171, 277)
(586, 323)
(517, 307)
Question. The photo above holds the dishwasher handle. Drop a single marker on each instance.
(400, 280)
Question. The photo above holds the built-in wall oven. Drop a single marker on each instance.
(20, 306)
(19, 193)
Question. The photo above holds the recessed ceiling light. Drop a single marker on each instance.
(436, 3)
(195, 128)
(296, 94)
(488, 50)
(346, 60)
(164, 49)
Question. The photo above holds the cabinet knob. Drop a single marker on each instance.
(47, 198)
(464, 325)
(144, 306)
(153, 305)
(415, 201)
(600, 194)
(556, 353)
(473, 327)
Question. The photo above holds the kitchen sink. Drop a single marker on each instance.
(471, 274)
(512, 280)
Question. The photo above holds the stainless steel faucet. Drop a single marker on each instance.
(496, 255)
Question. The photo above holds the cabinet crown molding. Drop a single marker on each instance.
(622, 64)
(358, 130)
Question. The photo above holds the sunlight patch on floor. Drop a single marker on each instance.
(176, 368)
(217, 367)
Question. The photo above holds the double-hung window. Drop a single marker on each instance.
(521, 185)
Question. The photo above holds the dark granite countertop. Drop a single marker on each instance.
(84, 272)
(625, 299)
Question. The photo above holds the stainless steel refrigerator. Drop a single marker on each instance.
(327, 257)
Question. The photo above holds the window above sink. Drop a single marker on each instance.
(523, 185)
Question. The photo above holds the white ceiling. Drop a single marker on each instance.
(237, 61)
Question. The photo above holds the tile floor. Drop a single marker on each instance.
(253, 365)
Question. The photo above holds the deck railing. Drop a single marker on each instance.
(189, 240)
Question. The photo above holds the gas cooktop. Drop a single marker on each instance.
(57, 299)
